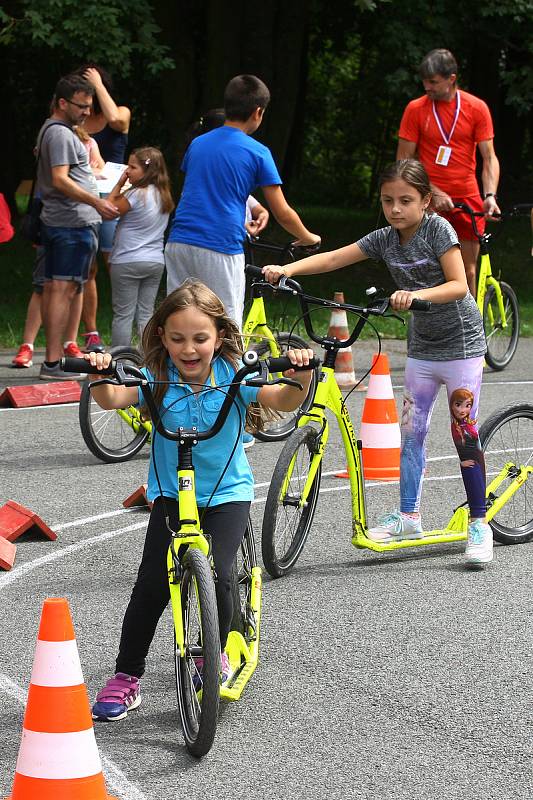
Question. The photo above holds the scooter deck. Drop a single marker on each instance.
(456, 531)
(244, 656)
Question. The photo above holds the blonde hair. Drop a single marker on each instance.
(194, 293)
(153, 165)
(81, 133)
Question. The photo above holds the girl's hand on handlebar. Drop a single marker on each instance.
(299, 358)
(401, 300)
(99, 360)
(273, 273)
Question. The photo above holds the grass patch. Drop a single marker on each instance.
(510, 255)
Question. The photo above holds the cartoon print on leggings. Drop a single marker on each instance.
(466, 439)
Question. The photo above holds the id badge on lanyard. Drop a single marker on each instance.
(444, 152)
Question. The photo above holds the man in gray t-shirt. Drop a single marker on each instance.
(72, 211)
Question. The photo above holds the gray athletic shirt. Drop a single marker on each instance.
(448, 331)
(61, 146)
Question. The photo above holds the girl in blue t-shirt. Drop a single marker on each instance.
(191, 342)
(445, 345)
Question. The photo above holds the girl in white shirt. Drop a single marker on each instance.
(137, 260)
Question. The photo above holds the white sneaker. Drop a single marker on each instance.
(479, 546)
(394, 527)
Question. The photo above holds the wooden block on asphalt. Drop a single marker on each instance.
(7, 554)
(16, 520)
(43, 394)
(138, 498)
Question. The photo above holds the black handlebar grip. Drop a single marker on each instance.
(255, 272)
(284, 363)
(420, 305)
(81, 365)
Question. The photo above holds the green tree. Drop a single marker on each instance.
(363, 70)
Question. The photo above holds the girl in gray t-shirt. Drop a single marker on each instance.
(446, 345)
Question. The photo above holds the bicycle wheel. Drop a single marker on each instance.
(501, 342)
(281, 427)
(105, 433)
(243, 619)
(198, 690)
(507, 437)
(286, 523)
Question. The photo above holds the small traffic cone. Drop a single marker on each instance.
(338, 327)
(380, 430)
(58, 758)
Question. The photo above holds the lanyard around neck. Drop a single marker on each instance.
(447, 137)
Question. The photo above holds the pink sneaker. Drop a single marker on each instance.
(121, 694)
(225, 668)
(72, 350)
(24, 357)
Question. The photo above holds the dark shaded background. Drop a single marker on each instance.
(340, 74)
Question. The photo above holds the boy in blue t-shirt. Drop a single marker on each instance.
(221, 169)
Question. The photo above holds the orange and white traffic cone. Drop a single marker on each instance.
(380, 430)
(338, 327)
(58, 758)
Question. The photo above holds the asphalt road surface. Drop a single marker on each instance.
(381, 676)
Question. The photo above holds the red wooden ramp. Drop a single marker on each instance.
(7, 554)
(16, 520)
(43, 394)
(138, 498)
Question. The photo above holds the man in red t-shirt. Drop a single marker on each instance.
(442, 129)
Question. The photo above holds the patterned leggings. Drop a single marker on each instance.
(423, 380)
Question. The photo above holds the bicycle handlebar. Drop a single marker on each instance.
(68, 364)
(419, 305)
(290, 250)
(129, 375)
(378, 307)
(257, 272)
(516, 210)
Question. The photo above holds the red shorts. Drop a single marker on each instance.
(462, 222)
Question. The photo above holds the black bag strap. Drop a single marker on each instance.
(52, 125)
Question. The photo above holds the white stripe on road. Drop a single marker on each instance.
(30, 566)
(116, 781)
(20, 572)
(395, 386)
(78, 523)
(37, 408)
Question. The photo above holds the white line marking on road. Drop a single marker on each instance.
(399, 386)
(30, 566)
(38, 408)
(396, 387)
(12, 689)
(341, 469)
(115, 778)
(369, 485)
(88, 520)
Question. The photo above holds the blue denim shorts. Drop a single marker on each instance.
(106, 235)
(68, 252)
